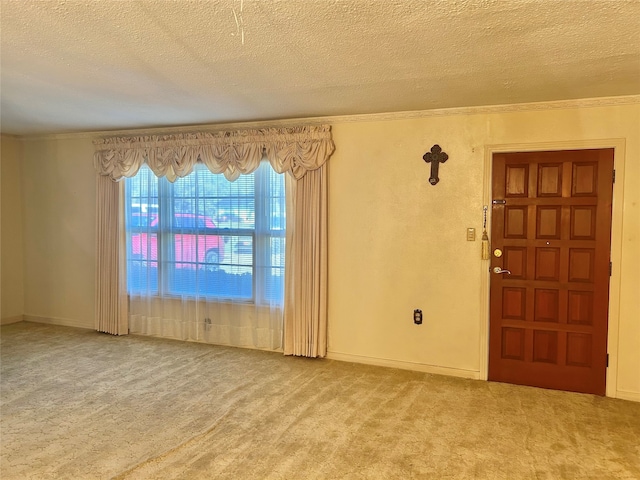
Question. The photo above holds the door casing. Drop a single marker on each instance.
(618, 144)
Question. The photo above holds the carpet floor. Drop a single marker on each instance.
(77, 404)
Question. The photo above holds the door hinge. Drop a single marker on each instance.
(607, 360)
(614, 176)
(610, 268)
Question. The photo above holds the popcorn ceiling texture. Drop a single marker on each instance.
(85, 65)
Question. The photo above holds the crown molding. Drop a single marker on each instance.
(10, 136)
(506, 108)
(370, 117)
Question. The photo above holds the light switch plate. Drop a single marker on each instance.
(471, 234)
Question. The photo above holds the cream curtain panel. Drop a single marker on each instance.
(111, 276)
(305, 293)
(299, 151)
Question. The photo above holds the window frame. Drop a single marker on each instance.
(261, 235)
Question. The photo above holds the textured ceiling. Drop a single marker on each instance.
(83, 65)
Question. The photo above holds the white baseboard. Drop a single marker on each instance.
(418, 367)
(65, 322)
(632, 396)
(9, 320)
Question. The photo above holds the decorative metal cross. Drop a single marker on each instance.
(435, 157)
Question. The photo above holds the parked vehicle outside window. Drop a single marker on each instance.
(193, 246)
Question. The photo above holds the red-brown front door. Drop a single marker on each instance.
(551, 232)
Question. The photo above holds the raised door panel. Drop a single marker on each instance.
(514, 303)
(547, 264)
(579, 350)
(581, 265)
(517, 181)
(513, 343)
(545, 346)
(548, 226)
(515, 260)
(550, 180)
(585, 179)
(580, 307)
(546, 305)
(583, 222)
(515, 222)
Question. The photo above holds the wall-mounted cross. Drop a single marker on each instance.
(435, 157)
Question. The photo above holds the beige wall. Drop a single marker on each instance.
(11, 243)
(395, 242)
(59, 231)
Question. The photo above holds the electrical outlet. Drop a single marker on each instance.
(417, 316)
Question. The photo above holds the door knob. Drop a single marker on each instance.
(500, 270)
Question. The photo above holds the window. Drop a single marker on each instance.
(205, 236)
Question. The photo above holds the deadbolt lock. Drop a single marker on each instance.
(497, 253)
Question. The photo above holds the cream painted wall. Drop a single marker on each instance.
(11, 243)
(59, 231)
(395, 242)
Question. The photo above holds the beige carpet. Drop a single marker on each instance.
(78, 404)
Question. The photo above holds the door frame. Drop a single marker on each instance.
(618, 144)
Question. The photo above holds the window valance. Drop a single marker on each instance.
(232, 153)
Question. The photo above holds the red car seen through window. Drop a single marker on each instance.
(193, 247)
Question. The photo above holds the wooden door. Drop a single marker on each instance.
(551, 225)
